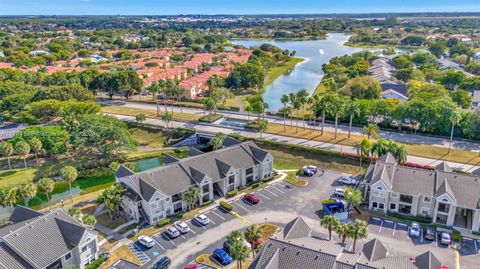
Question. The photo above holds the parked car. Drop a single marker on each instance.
(228, 245)
(347, 181)
(307, 172)
(414, 230)
(172, 232)
(190, 266)
(445, 238)
(181, 226)
(339, 192)
(163, 263)
(429, 234)
(146, 241)
(251, 198)
(202, 219)
(221, 256)
(312, 167)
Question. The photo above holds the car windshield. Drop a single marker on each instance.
(445, 236)
(202, 217)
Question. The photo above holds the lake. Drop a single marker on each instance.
(306, 74)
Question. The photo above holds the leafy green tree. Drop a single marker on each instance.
(259, 107)
(353, 197)
(191, 196)
(262, 126)
(27, 191)
(167, 118)
(329, 222)
(248, 108)
(69, 174)
(140, 118)
(22, 149)
(89, 220)
(461, 98)
(357, 230)
(362, 88)
(252, 235)
(437, 48)
(352, 109)
(75, 213)
(8, 197)
(6, 150)
(217, 141)
(451, 79)
(402, 61)
(246, 76)
(54, 139)
(371, 130)
(36, 146)
(46, 186)
(112, 198)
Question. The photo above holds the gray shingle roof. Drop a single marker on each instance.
(21, 213)
(194, 152)
(296, 228)
(54, 234)
(427, 260)
(123, 171)
(387, 158)
(10, 260)
(228, 141)
(168, 159)
(374, 250)
(443, 167)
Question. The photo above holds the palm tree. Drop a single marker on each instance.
(329, 222)
(239, 252)
(292, 97)
(353, 110)
(46, 186)
(262, 126)
(455, 118)
(342, 231)
(248, 109)
(112, 198)
(75, 213)
(337, 109)
(27, 191)
(371, 130)
(217, 141)
(302, 97)
(324, 106)
(353, 197)
(22, 149)
(140, 118)
(36, 146)
(234, 236)
(357, 230)
(252, 235)
(89, 220)
(399, 152)
(8, 197)
(69, 174)
(191, 196)
(285, 100)
(363, 149)
(380, 148)
(6, 149)
(167, 118)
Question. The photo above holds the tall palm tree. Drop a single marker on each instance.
(191, 196)
(325, 106)
(112, 198)
(239, 252)
(357, 230)
(217, 141)
(248, 109)
(167, 118)
(302, 97)
(262, 127)
(455, 118)
(36, 146)
(337, 109)
(371, 130)
(363, 149)
(234, 236)
(329, 222)
(352, 110)
(380, 148)
(292, 97)
(8, 197)
(342, 231)
(252, 235)
(27, 191)
(285, 100)
(353, 197)
(22, 149)
(46, 186)
(69, 174)
(400, 153)
(6, 149)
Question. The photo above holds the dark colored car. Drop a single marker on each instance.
(163, 263)
(429, 234)
(221, 256)
(251, 198)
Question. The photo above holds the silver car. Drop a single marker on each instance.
(146, 241)
(202, 219)
(445, 238)
(172, 232)
(414, 229)
(181, 226)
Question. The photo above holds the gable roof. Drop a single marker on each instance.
(194, 152)
(296, 228)
(123, 171)
(443, 166)
(399, 88)
(427, 260)
(168, 159)
(21, 213)
(387, 158)
(374, 250)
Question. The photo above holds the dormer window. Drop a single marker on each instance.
(379, 188)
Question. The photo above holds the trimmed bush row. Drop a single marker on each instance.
(163, 222)
(226, 206)
(231, 194)
(210, 118)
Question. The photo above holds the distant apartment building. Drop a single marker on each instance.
(444, 196)
(54, 240)
(157, 193)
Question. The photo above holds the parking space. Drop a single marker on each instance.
(139, 253)
(469, 246)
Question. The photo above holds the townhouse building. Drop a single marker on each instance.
(157, 193)
(442, 195)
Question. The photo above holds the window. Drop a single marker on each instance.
(425, 211)
(406, 198)
(444, 208)
(393, 206)
(427, 199)
(84, 249)
(249, 171)
(382, 194)
(231, 179)
(394, 195)
(379, 188)
(381, 206)
(205, 188)
(68, 256)
(374, 204)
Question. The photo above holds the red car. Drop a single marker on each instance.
(191, 266)
(251, 198)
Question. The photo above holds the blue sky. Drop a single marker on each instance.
(173, 7)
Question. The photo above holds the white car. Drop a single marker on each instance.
(339, 192)
(202, 219)
(181, 226)
(146, 241)
(172, 232)
(347, 181)
(445, 239)
(414, 229)
(313, 168)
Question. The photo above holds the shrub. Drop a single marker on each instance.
(231, 194)
(210, 118)
(328, 201)
(410, 218)
(255, 185)
(96, 263)
(254, 124)
(456, 236)
(163, 222)
(226, 206)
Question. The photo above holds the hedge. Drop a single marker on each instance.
(410, 218)
(255, 185)
(254, 124)
(210, 118)
(96, 263)
(231, 194)
(226, 206)
(328, 201)
(164, 222)
(456, 236)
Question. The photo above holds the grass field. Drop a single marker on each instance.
(150, 113)
(148, 137)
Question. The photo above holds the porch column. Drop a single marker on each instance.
(451, 215)
(476, 220)
(435, 210)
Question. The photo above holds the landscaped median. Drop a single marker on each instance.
(293, 179)
(206, 260)
(149, 113)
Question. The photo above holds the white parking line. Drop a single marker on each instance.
(237, 203)
(271, 192)
(263, 195)
(191, 230)
(183, 236)
(278, 189)
(211, 222)
(218, 215)
(171, 241)
(421, 236)
(376, 219)
(158, 243)
(381, 225)
(475, 244)
(436, 239)
(394, 227)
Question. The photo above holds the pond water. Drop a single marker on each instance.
(150, 163)
(306, 74)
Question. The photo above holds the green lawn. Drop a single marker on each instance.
(274, 72)
(148, 137)
(17, 176)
